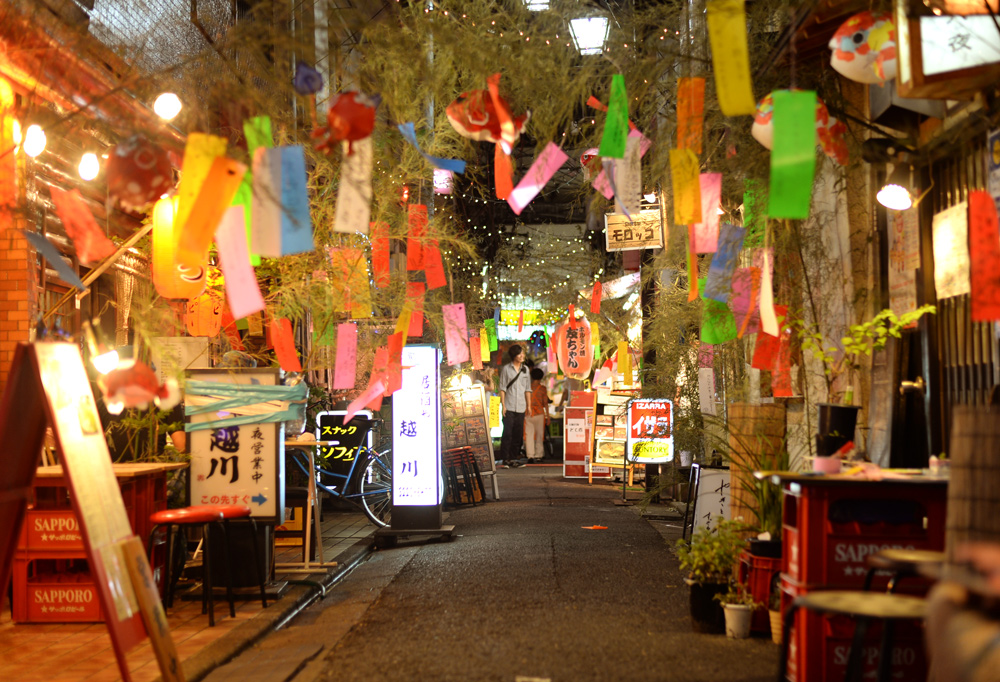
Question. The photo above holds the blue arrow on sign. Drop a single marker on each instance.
(259, 499)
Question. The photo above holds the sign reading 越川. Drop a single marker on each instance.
(416, 428)
(645, 232)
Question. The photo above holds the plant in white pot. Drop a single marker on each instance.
(739, 606)
(709, 559)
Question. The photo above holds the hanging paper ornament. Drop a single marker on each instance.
(307, 81)
(475, 115)
(585, 160)
(864, 48)
(829, 131)
(138, 172)
(134, 384)
(573, 347)
(203, 315)
(351, 118)
(171, 279)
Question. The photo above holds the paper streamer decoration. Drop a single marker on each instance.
(692, 265)
(595, 339)
(706, 355)
(284, 344)
(476, 352)
(494, 411)
(746, 293)
(706, 231)
(380, 253)
(379, 375)
(52, 255)
(616, 122)
(484, 344)
(456, 333)
(257, 131)
(244, 199)
(768, 319)
(242, 289)
(503, 173)
(416, 219)
(754, 219)
(706, 390)
(352, 284)
(984, 253)
(601, 182)
(433, 267)
(793, 159)
(625, 362)
(346, 365)
(403, 321)
(545, 166)
(727, 34)
(409, 133)
(372, 393)
(628, 179)
(394, 368)
(231, 332)
(520, 322)
(765, 352)
(595, 298)
(280, 221)
(690, 113)
(719, 281)
(829, 131)
(217, 192)
(491, 332)
(415, 300)
(88, 239)
(686, 186)
(200, 152)
(781, 375)
(354, 192)
(717, 322)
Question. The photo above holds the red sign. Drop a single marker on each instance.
(650, 439)
(573, 348)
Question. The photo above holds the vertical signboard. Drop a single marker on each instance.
(578, 437)
(650, 436)
(416, 440)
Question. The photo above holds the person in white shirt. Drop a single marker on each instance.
(515, 396)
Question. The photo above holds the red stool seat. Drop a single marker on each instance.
(186, 515)
(229, 511)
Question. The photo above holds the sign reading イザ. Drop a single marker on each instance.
(650, 436)
(416, 428)
(645, 232)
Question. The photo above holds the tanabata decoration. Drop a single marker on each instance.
(585, 160)
(242, 289)
(439, 163)
(572, 341)
(281, 224)
(706, 231)
(307, 81)
(864, 48)
(257, 131)
(138, 173)
(415, 301)
(984, 256)
(717, 322)
(727, 34)
(829, 131)
(346, 365)
(416, 220)
(595, 298)
(134, 384)
(544, 167)
(351, 283)
(54, 258)
(380, 253)
(216, 193)
(476, 352)
(686, 186)
(351, 118)
(601, 183)
(394, 367)
(203, 315)
(595, 339)
(456, 333)
(793, 159)
(692, 265)
(171, 279)
(595, 103)
(491, 333)
(371, 395)
(616, 128)
(230, 331)
(746, 293)
(719, 281)
(690, 113)
(768, 317)
(433, 265)
(520, 321)
(625, 362)
(484, 344)
(706, 355)
(284, 344)
(89, 241)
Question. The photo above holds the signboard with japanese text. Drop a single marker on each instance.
(712, 503)
(416, 429)
(340, 452)
(241, 464)
(578, 437)
(650, 436)
(645, 232)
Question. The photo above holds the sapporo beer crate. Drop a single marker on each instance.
(830, 531)
(50, 530)
(819, 644)
(757, 573)
(54, 591)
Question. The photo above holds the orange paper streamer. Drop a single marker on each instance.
(284, 344)
(503, 173)
(417, 224)
(88, 239)
(595, 298)
(217, 192)
(380, 253)
(475, 352)
(415, 297)
(690, 113)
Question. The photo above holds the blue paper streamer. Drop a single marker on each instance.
(496, 317)
(453, 165)
(719, 281)
(241, 395)
(296, 222)
(51, 254)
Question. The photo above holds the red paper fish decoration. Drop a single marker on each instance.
(138, 173)
(90, 242)
(134, 384)
(864, 48)
(829, 131)
(351, 118)
(475, 116)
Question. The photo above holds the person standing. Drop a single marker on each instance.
(538, 417)
(515, 394)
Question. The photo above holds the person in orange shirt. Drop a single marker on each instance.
(538, 417)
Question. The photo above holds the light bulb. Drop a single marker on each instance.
(167, 106)
(894, 197)
(89, 166)
(34, 141)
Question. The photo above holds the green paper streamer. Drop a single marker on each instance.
(793, 158)
(616, 123)
(754, 219)
(717, 322)
(242, 324)
(491, 332)
(324, 331)
(244, 197)
(258, 133)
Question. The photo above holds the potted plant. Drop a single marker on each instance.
(738, 605)
(709, 560)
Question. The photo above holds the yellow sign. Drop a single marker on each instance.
(511, 317)
(494, 411)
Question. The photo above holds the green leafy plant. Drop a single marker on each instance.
(712, 553)
(737, 596)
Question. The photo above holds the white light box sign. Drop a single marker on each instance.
(416, 429)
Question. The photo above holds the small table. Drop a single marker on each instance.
(312, 510)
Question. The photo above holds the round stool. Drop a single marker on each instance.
(901, 563)
(236, 512)
(188, 516)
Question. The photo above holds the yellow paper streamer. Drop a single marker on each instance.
(625, 362)
(727, 33)
(494, 411)
(595, 338)
(484, 345)
(200, 152)
(687, 189)
(403, 322)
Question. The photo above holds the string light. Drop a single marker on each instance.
(34, 140)
(89, 166)
(167, 106)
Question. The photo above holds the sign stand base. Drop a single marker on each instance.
(387, 537)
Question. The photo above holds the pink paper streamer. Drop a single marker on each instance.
(706, 233)
(374, 390)
(706, 354)
(741, 303)
(234, 259)
(601, 183)
(346, 367)
(456, 333)
(545, 166)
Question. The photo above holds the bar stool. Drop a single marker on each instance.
(901, 563)
(236, 512)
(863, 607)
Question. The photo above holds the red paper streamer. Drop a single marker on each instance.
(508, 133)
(380, 253)
(503, 173)
(433, 267)
(765, 355)
(984, 256)
(781, 376)
(754, 301)
(379, 376)
(690, 113)
(595, 298)
(572, 317)
(520, 322)
(394, 369)
(89, 241)
(417, 224)
(415, 293)
(284, 344)
(476, 352)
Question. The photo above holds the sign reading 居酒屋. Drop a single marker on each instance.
(645, 232)
(650, 432)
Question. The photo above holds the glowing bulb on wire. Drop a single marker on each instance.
(34, 140)
(89, 166)
(167, 106)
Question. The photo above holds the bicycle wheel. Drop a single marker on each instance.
(375, 487)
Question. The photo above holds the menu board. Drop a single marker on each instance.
(464, 424)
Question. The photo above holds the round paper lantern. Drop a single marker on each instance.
(573, 347)
(203, 316)
(138, 173)
(829, 131)
(171, 279)
(864, 48)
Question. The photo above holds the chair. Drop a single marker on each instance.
(901, 563)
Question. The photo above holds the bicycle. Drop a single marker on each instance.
(337, 470)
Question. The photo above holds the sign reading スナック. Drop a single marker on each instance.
(416, 429)
(339, 456)
(645, 232)
(650, 436)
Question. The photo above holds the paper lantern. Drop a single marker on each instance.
(573, 347)
(171, 279)
(203, 315)
(829, 131)
(138, 172)
(864, 48)
(585, 160)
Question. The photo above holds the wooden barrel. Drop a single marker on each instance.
(756, 437)
(974, 488)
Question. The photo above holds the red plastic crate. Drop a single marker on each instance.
(66, 597)
(829, 531)
(819, 645)
(757, 572)
(50, 531)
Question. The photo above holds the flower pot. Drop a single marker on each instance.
(775, 617)
(738, 617)
(706, 611)
(836, 427)
(765, 548)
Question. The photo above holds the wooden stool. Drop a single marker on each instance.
(901, 563)
(240, 511)
(863, 607)
(190, 516)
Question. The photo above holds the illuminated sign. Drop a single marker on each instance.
(416, 428)
(650, 436)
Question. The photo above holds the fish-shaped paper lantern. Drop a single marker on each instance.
(475, 116)
(864, 48)
(139, 173)
(134, 384)
(585, 160)
(351, 118)
(829, 131)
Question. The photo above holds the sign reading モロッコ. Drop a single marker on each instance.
(645, 232)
